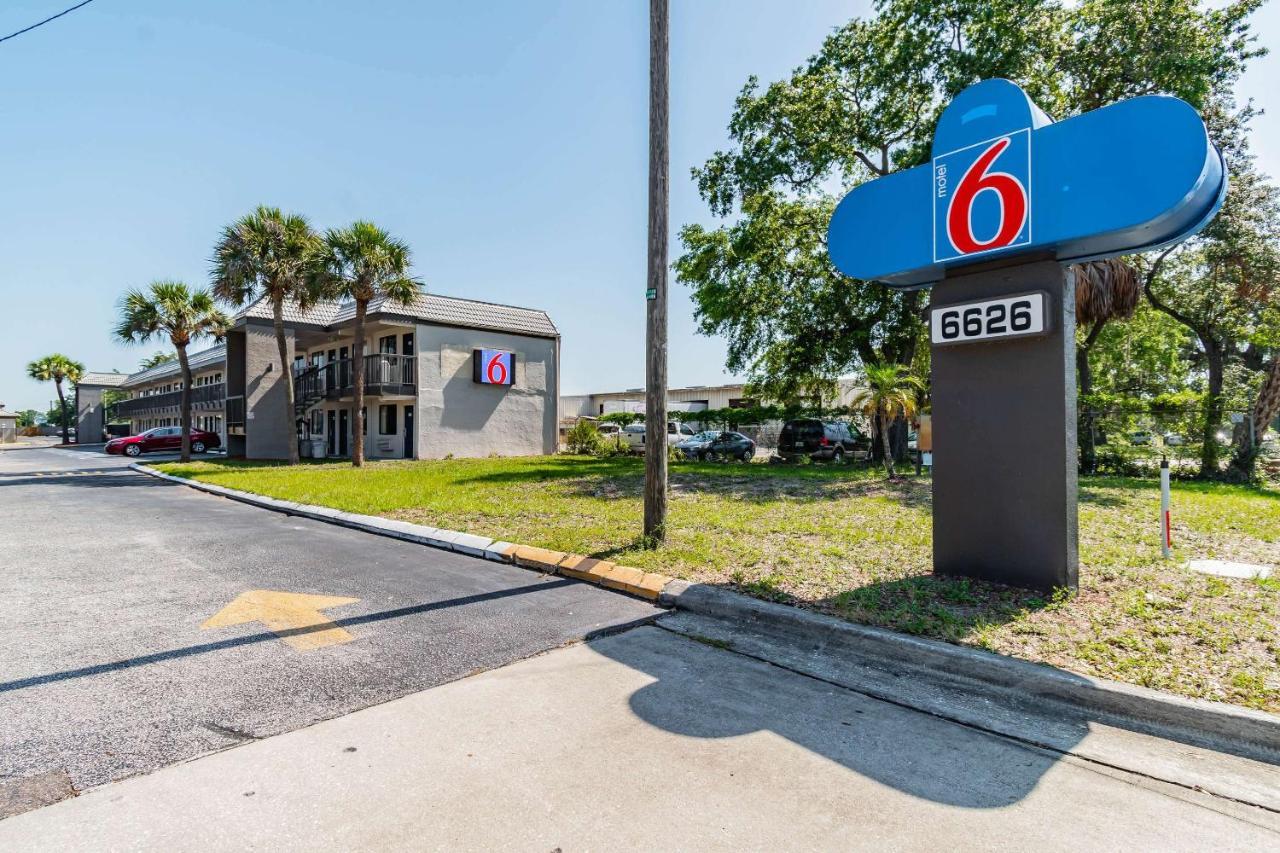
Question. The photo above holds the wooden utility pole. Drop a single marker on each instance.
(655, 405)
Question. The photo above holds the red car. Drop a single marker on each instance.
(163, 438)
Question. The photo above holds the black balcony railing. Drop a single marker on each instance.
(202, 397)
(234, 411)
(384, 374)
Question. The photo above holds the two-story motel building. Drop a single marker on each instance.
(443, 376)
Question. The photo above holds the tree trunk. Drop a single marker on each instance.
(62, 409)
(1266, 408)
(186, 401)
(884, 419)
(291, 427)
(357, 365)
(1084, 387)
(1212, 411)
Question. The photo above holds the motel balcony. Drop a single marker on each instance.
(385, 375)
(202, 397)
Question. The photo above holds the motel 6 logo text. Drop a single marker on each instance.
(980, 198)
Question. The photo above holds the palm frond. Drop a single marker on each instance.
(1105, 290)
(363, 261)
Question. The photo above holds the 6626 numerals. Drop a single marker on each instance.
(997, 318)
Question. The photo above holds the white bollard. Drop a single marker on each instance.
(1166, 533)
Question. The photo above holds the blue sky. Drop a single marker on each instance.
(506, 141)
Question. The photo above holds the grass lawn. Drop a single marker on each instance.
(840, 540)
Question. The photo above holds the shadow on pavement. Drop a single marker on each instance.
(712, 693)
(94, 478)
(264, 636)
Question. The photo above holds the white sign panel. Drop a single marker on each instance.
(990, 319)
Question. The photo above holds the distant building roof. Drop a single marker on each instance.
(109, 380)
(427, 307)
(197, 361)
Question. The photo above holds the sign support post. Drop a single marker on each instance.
(1004, 468)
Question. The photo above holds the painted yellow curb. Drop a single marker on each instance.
(605, 573)
(537, 558)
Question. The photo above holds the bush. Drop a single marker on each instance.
(584, 438)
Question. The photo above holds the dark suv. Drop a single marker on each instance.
(831, 441)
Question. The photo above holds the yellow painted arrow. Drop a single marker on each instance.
(285, 613)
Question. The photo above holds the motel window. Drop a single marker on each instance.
(387, 420)
(387, 345)
(317, 421)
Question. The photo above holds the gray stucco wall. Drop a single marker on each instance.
(268, 428)
(89, 420)
(461, 417)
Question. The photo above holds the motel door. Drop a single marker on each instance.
(344, 431)
(331, 437)
(408, 432)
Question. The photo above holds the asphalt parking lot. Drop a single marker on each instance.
(144, 623)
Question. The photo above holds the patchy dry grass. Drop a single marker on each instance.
(842, 541)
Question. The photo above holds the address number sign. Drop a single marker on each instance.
(1018, 316)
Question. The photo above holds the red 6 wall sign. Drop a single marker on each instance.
(493, 367)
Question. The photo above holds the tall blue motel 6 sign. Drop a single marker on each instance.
(1009, 200)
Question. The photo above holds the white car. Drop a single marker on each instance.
(634, 435)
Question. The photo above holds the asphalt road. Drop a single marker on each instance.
(106, 577)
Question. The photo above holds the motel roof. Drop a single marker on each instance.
(429, 308)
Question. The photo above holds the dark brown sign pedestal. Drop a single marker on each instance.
(1004, 438)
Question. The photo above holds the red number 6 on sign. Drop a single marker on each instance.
(496, 369)
(1009, 190)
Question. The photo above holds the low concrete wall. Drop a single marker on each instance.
(89, 414)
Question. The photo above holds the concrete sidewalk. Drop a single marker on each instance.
(640, 741)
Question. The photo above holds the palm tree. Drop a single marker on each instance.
(362, 262)
(55, 368)
(267, 254)
(1105, 290)
(156, 359)
(172, 310)
(890, 391)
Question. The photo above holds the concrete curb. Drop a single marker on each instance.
(1211, 723)
(599, 572)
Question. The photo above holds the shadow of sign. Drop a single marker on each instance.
(704, 692)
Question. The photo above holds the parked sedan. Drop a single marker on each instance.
(712, 444)
(162, 438)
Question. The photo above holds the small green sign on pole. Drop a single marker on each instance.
(651, 293)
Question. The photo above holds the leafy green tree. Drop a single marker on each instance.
(1224, 284)
(268, 254)
(27, 417)
(58, 368)
(171, 310)
(1105, 290)
(865, 105)
(362, 262)
(622, 419)
(156, 359)
(890, 391)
